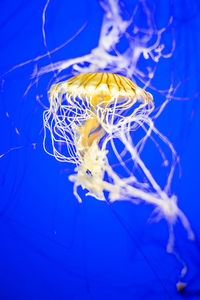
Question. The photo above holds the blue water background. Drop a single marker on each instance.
(51, 247)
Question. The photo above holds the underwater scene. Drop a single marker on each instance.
(99, 150)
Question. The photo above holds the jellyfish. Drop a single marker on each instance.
(88, 114)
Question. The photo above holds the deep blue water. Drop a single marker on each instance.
(52, 247)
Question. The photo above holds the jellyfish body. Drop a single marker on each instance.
(89, 107)
(91, 110)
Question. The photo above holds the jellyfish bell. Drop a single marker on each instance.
(98, 88)
(90, 111)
